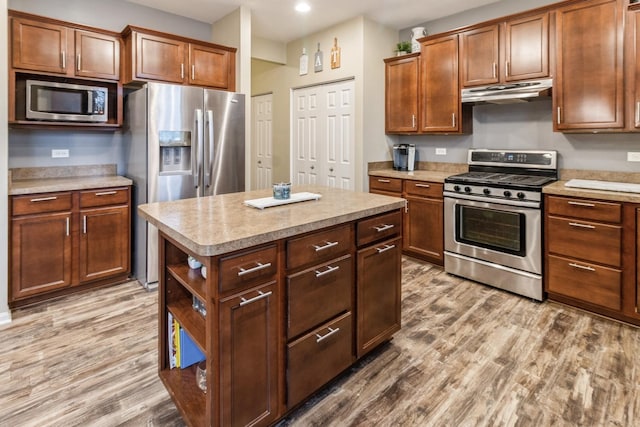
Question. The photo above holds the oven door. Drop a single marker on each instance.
(494, 232)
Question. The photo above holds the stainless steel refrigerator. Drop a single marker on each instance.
(181, 142)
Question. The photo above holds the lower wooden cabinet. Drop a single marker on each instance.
(249, 357)
(423, 231)
(57, 245)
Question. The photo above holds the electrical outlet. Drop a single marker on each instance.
(59, 153)
(441, 151)
(633, 156)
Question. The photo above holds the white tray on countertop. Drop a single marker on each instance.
(625, 187)
(267, 202)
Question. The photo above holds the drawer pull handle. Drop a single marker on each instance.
(423, 185)
(106, 193)
(327, 335)
(327, 246)
(385, 248)
(384, 181)
(575, 224)
(44, 199)
(327, 271)
(84, 224)
(385, 227)
(586, 205)
(258, 267)
(581, 267)
(261, 295)
(67, 226)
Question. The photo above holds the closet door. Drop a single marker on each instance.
(323, 135)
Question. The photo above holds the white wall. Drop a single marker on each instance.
(5, 315)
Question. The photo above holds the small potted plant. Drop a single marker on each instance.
(403, 48)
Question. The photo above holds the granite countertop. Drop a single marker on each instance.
(425, 171)
(216, 225)
(63, 178)
(558, 188)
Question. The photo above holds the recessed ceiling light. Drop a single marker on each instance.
(303, 7)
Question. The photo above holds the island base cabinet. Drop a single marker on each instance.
(319, 356)
(249, 357)
(378, 293)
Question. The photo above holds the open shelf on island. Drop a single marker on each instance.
(190, 279)
(190, 400)
(190, 320)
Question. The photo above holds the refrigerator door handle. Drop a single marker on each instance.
(196, 159)
(209, 148)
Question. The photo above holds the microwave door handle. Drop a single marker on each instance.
(209, 147)
(197, 164)
(89, 102)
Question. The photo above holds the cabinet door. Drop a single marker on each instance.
(40, 254)
(39, 46)
(588, 90)
(97, 55)
(249, 343)
(159, 58)
(423, 229)
(440, 105)
(401, 95)
(378, 294)
(210, 67)
(104, 243)
(479, 53)
(526, 48)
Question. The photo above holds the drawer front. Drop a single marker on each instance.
(595, 242)
(393, 185)
(104, 197)
(586, 282)
(379, 227)
(41, 203)
(318, 357)
(248, 268)
(319, 294)
(585, 209)
(422, 188)
(319, 247)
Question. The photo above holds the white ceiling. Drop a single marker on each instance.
(277, 20)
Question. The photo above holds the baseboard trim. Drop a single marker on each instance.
(5, 318)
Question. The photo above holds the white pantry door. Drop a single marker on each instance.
(262, 141)
(323, 135)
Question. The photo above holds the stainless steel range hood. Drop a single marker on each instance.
(508, 93)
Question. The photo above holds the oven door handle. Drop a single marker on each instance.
(524, 204)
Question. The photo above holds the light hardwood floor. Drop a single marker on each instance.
(467, 355)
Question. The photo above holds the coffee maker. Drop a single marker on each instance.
(404, 157)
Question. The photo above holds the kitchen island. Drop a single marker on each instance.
(289, 297)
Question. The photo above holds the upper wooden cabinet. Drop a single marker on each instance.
(50, 47)
(402, 93)
(154, 56)
(632, 68)
(517, 49)
(440, 107)
(588, 91)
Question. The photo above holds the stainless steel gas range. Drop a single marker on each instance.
(493, 219)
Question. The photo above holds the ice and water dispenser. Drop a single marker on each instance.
(175, 152)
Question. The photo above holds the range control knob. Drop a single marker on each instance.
(507, 193)
(456, 188)
(467, 189)
(486, 191)
(521, 195)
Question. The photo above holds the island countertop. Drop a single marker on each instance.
(220, 224)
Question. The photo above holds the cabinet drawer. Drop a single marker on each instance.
(319, 294)
(585, 209)
(385, 184)
(586, 282)
(247, 268)
(591, 241)
(318, 357)
(379, 227)
(422, 188)
(104, 197)
(319, 247)
(40, 203)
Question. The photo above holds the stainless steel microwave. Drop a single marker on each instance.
(64, 102)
